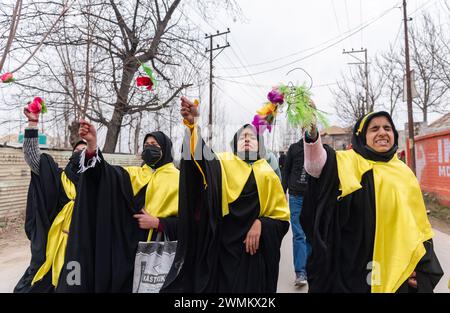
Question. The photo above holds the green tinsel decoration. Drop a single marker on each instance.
(299, 111)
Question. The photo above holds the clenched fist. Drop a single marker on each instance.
(88, 132)
(189, 110)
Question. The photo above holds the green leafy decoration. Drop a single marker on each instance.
(147, 69)
(299, 111)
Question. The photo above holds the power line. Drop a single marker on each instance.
(314, 47)
(336, 18)
(234, 100)
(255, 95)
(360, 20)
(348, 17)
(239, 59)
(267, 86)
(211, 58)
(398, 35)
(234, 43)
(318, 51)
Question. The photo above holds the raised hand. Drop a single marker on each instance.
(88, 132)
(189, 110)
(33, 118)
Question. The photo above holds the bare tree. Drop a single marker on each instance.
(389, 67)
(350, 104)
(16, 15)
(426, 47)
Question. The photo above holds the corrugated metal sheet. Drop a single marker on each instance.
(15, 176)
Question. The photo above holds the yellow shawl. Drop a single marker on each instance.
(401, 220)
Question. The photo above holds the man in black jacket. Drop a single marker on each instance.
(282, 160)
(294, 179)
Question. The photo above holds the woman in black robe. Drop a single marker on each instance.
(110, 217)
(233, 216)
(46, 198)
(365, 217)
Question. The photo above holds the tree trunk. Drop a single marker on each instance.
(137, 131)
(120, 108)
(73, 133)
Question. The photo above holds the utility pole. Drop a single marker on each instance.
(211, 58)
(366, 69)
(412, 152)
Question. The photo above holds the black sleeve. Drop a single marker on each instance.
(45, 198)
(170, 227)
(104, 235)
(287, 170)
(199, 222)
(429, 270)
(272, 234)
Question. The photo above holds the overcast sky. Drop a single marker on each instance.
(277, 34)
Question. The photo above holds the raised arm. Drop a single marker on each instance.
(194, 148)
(90, 156)
(315, 154)
(32, 153)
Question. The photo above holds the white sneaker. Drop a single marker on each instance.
(300, 280)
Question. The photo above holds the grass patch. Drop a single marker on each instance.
(437, 210)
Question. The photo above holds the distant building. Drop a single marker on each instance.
(337, 137)
(440, 124)
(16, 140)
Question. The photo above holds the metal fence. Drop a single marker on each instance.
(15, 176)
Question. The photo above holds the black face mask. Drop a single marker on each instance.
(151, 155)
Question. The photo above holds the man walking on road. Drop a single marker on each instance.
(294, 180)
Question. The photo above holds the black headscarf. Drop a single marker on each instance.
(79, 142)
(248, 157)
(359, 143)
(166, 147)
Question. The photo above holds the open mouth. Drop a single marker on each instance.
(382, 142)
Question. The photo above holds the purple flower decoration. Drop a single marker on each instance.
(275, 97)
(261, 124)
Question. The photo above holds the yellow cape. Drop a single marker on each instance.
(161, 196)
(57, 236)
(235, 173)
(401, 220)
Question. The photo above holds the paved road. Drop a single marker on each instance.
(15, 255)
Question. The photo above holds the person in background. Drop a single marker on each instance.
(273, 162)
(295, 182)
(282, 160)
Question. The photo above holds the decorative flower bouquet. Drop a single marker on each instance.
(7, 78)
(299, 111)
(37, 106)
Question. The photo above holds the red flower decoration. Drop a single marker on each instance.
(144, 81)
(37, 105)
(7, 77)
